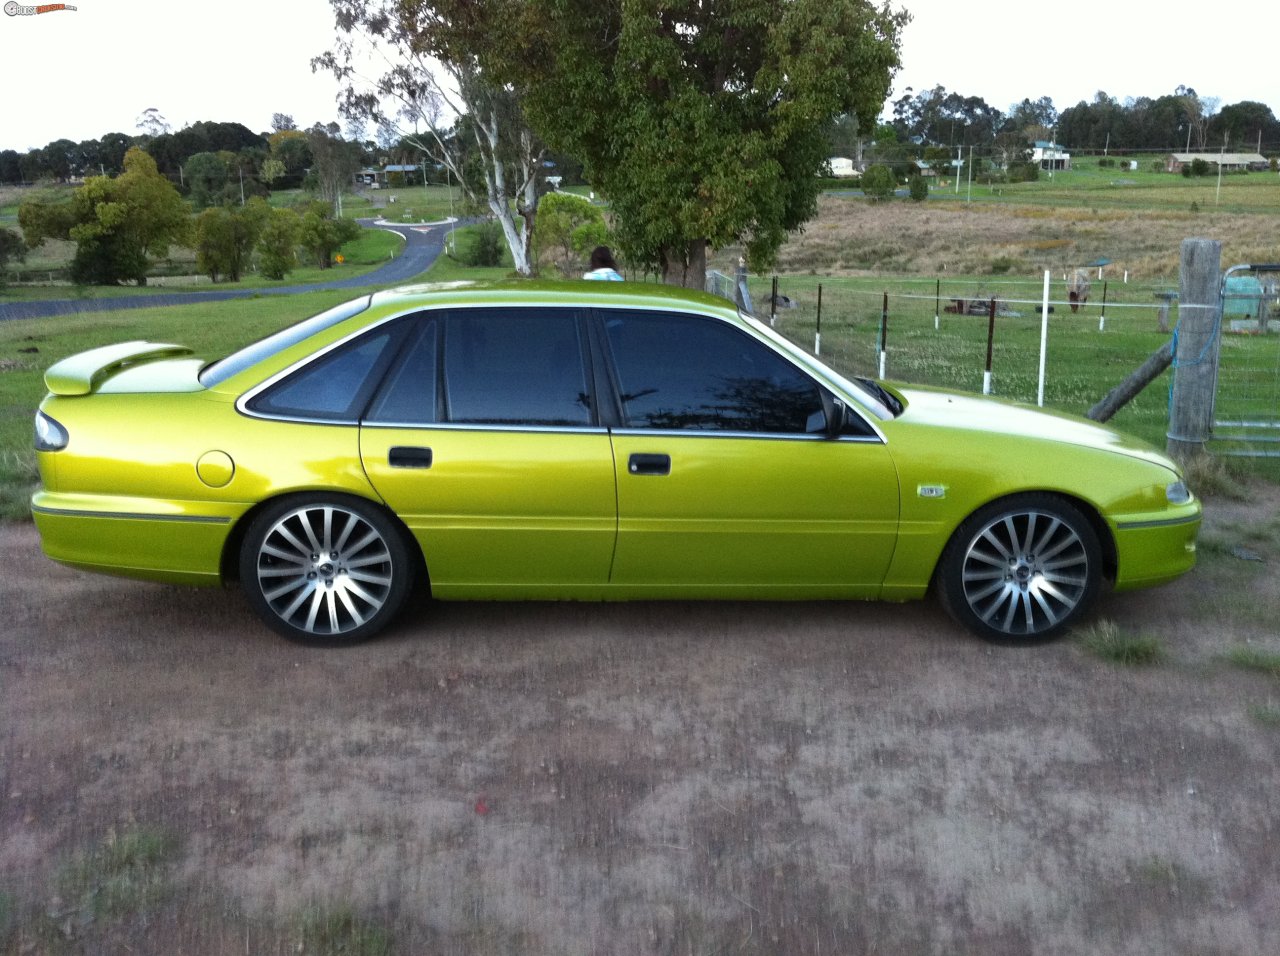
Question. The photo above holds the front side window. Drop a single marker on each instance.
(515, 367)
(689, 372)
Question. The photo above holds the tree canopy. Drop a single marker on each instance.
(116, 223)
(703, 124)
(438, 55)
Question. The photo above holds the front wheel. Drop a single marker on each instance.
(325, 571)
(1021, 569)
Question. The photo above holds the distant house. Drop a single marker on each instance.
(842, 167)
(1050, 157)
(1230, 162)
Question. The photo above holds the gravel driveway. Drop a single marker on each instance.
(646, 778)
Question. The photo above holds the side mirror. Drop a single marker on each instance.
(837, 416)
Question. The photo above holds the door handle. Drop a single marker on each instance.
(403, 456)
(649, 464)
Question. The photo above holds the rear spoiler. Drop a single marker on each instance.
(80, 374)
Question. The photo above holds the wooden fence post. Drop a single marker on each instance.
(1195, 360)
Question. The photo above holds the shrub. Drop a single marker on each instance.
(918, 189)
(878, 182)
(487, 246)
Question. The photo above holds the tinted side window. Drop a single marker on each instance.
(335, 387)
(683, 371)
(409, 395)
(515, 367)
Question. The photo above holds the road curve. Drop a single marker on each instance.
(423, 245)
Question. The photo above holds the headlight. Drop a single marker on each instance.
(1178, 493)
(50, 436)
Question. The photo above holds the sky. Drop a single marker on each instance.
(79, 74)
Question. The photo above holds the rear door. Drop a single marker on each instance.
(484, 440)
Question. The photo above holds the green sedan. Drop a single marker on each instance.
(496, 441)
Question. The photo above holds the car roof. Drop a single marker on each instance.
(546, 292)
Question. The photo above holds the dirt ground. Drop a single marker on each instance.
(659, 778)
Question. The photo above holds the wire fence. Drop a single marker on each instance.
(942, 332)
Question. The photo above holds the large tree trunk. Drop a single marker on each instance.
(686, 265)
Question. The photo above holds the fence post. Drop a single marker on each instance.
(741, 293)
(937, 303)
(1102, 322)
(1195, 360)
(773, 304)
(817, 336)
(884, 331)
(991, 337)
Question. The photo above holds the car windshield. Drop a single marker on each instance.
(218, 372)
(876, 399)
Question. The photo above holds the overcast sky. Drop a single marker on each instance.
(82, 73)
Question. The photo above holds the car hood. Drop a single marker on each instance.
(960, 411)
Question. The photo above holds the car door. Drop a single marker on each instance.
(484, 440)
(727, 480)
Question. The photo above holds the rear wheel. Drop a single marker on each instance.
(1021, 569)
(325, 570)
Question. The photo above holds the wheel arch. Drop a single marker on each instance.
(229, 565)
(1098, 524)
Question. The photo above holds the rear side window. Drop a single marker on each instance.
(334, 387)
(237, 362)
(409, 395)
(688, 372)
(515, 367)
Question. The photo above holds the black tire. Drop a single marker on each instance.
(325, 570)
(1022, 569)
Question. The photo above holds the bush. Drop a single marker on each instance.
(878, 182)
(918, 189)
(487, 246)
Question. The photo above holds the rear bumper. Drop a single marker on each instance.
(179, 542)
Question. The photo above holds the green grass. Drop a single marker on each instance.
(1254, 659)
(1106, 640)
(1265, 714)
(372, 249)
(127, 874)
(340, 932)
(1089, 185)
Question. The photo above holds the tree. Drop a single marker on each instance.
(1246, 122)
(152, 122)
(878, 182)
(568, 228)
(206, 177)
(117, 224)
(917, 189)
(320, 235)
(224, 238)
(704, 124)
(439, 55)
(334, 162)
(12, 249)
(278, 243)
(281, 122)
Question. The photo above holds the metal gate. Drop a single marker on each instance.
(1247, 398)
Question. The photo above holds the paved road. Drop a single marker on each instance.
(423, 245)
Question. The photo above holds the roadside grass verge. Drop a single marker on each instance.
(372, 249)
(1108, 641)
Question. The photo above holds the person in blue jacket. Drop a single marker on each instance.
(603, 266)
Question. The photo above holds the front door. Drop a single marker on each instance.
(727, 480)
